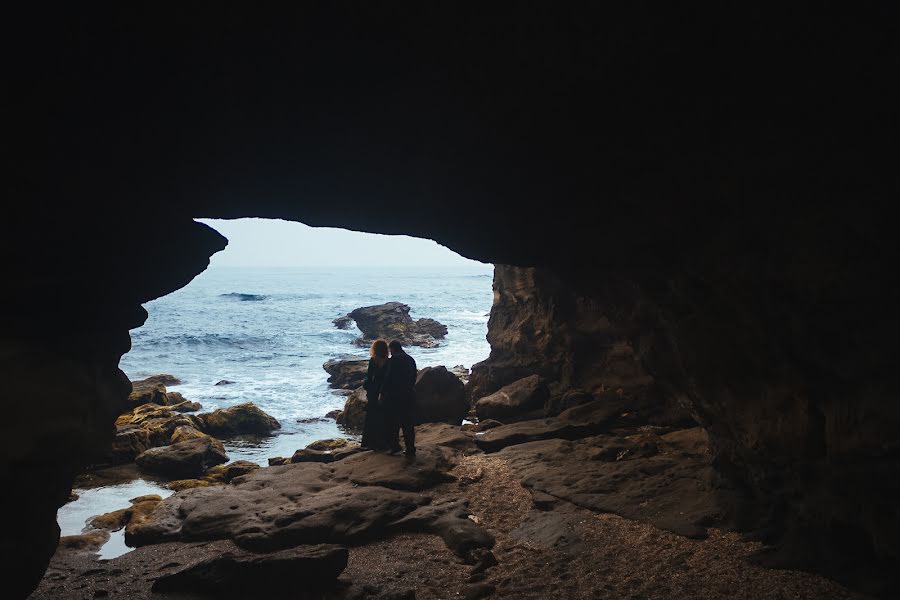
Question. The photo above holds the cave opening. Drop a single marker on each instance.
(269, 322)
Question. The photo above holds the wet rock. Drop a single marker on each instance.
(306, 568)
(392, 321)
(440, 397)
(346, 374)
(186, 459)
(353, 417)
(240, 419)
(344, 322)
(85, 542)
(333, 414)
(522, 396)
(135, 516)
(224, 382)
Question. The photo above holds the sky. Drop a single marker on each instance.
(275, 243)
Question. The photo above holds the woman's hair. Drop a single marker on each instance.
(379, 349)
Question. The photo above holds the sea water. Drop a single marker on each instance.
(269, 330)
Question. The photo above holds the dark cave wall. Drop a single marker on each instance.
(65, 326)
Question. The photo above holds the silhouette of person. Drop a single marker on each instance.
(399, 399)
(374, 429)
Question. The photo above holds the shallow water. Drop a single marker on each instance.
(269, 331)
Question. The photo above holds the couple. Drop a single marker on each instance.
(389, 385)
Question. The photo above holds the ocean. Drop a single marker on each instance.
(269, 331)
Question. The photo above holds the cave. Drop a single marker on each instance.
(708, 194)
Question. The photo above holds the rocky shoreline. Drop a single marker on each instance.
(534, 520)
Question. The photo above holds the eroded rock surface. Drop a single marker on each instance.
(524, 395)
(346, 374)
(359, 498)
(392, 321)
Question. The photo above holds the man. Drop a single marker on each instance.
(399, 399)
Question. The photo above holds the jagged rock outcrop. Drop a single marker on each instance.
(346, 374)
(391, 321)
(540, 325)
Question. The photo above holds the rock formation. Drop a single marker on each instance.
(346, 374)
(391, 321)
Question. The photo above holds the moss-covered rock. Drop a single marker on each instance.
(185, 432)
(326, 445)
(240, 419)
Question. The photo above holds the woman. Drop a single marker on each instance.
(374, 431)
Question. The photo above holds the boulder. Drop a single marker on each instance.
(245, 574)
(353, 417)
(161, 379)
(517, 398)
(346, 374)
(440, 397)
(133, 516)
(392, 321)
(343, 322)
(240, 419)
(186, 459)
(224, 382)
(143, 392)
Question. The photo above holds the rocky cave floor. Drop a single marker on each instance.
(548, 542)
